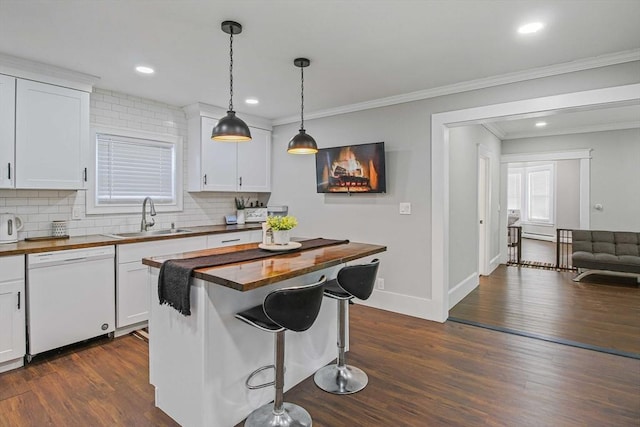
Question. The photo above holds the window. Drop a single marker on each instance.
(514, 189)
(530, 191)
(132, 165)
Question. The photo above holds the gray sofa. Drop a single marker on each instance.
(606, 252)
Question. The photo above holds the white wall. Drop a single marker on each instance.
(567, 194)
(406, 130)
(463, 200)
(614, 181)
(39, 208)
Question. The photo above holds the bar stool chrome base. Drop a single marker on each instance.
(292, 416)
(341, 379)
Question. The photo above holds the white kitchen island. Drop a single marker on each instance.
(199, 363)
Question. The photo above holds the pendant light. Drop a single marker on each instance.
(230, 127)
(302, 143)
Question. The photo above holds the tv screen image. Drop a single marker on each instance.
(351, 169)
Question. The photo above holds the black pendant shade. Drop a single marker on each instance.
(302, 143)
(230, 127)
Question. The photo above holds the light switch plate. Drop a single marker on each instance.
(405, 208)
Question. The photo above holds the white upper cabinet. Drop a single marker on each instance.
(7, 131)
(52, 136)
(227, 166)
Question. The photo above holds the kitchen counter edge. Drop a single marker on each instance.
(80, 242)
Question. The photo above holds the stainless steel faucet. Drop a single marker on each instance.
(144, 225)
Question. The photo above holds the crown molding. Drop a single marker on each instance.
(582, 129)
(518, 76)
(39, 71)
(495, 129)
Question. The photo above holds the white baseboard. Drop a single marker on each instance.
(128, 329)
(494, 263)
(422, 308)
(463, 288)
(536, 236)
(11, 364)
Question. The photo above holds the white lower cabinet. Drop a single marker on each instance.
(12, 313)
(132, 285)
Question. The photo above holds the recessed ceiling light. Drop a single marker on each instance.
(541, 124)
(532, 27)
(144, 70)
(252, 101)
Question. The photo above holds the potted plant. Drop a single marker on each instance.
(241, 204)
(280, 226)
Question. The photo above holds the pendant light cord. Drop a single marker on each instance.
(231, 71)
(302, 98)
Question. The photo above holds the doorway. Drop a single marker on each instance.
(484, 202)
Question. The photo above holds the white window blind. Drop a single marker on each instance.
(514, 191)
(130, 169)
(540, 193)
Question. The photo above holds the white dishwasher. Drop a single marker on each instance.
(70, 297)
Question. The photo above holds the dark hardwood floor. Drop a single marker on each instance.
(599, 311)
(538, 250)
(421, 373)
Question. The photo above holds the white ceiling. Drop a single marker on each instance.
(359, 50)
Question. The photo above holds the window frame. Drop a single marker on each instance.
(524, 170)
(92, 207)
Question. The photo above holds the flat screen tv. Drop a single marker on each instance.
(351, 169)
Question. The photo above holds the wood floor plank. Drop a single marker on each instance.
(421, 373)
(601, 311)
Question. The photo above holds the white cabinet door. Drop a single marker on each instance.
(12, 312)
(133, 304)
(227, 166)
(7, 131)
(12, 326)
(52, 136)
(132, 284)
(219, 166)
(254, 162)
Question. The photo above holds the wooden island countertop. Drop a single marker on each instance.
(249, 275)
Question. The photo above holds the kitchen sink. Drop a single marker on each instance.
(150, 233)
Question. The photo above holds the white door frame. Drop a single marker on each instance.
(484, 235)
(440, 124)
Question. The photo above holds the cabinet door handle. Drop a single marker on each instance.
(9, 169)
(205, 179)
(240, 181)
(229, 241)
(85, 174)
(19, 298)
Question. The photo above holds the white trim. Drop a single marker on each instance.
(11, 364)
(585, 193)
(495, 262)
(440, 123)
(485, 153)
(518, 76)
(495, 129)
(538, 236)
(463, 289)
(130, 328)
(582, 129)
(133, 133)
(403, 304)
(547, 156)
(45, 73)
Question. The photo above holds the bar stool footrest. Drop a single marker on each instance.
(250, 386)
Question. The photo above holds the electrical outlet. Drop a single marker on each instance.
(380, 283)
(405, 208)
(76, 213)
